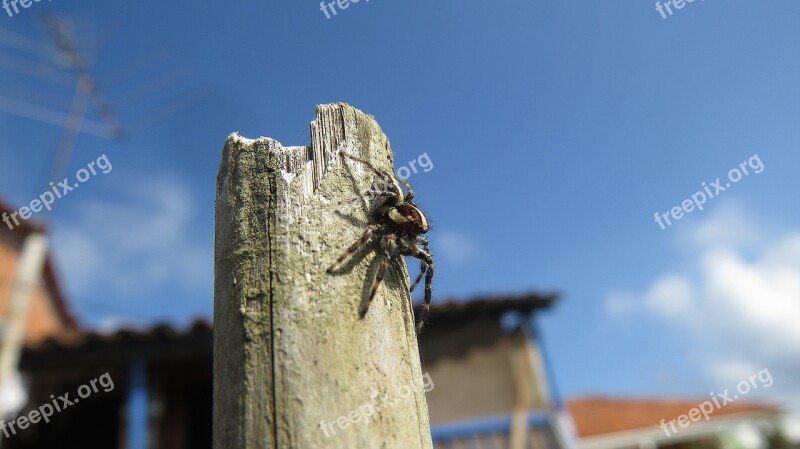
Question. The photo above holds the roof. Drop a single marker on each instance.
(594, 416)
(160, 342)
(156, 334)
(200, 332)
(49, 274)
(488, 307)
(25, 226)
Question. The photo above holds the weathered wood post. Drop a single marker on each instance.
(294, 364)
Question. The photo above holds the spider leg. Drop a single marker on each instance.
(379, 193)
(354, 247)
(426, 308)
(410, 194)
(376, 283)
(368, 194)
(426, 245)
(388, 180)
(422, 269)
(422, 266)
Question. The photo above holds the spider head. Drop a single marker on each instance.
(408, 219)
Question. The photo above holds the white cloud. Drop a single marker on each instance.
(733, 370)
(137, 247)
(741, 299)
(455, 247)
(619, 304)
(727, 226)
(670, 296)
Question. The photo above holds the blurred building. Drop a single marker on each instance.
(491, 390)
(48, 312)
(161, 396)
(491, 383)
(495, 388)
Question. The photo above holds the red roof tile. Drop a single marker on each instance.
(604, 415)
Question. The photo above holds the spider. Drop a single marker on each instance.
(400, 225)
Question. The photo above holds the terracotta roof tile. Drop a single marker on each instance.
(604, 415)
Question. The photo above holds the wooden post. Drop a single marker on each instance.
(294, 364)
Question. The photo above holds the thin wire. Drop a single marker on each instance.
(25, 44)
(49, 116)
(21, 93)
(45, 71)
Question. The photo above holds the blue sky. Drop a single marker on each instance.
(556, 130)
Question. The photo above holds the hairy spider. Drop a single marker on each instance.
(400, 225)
